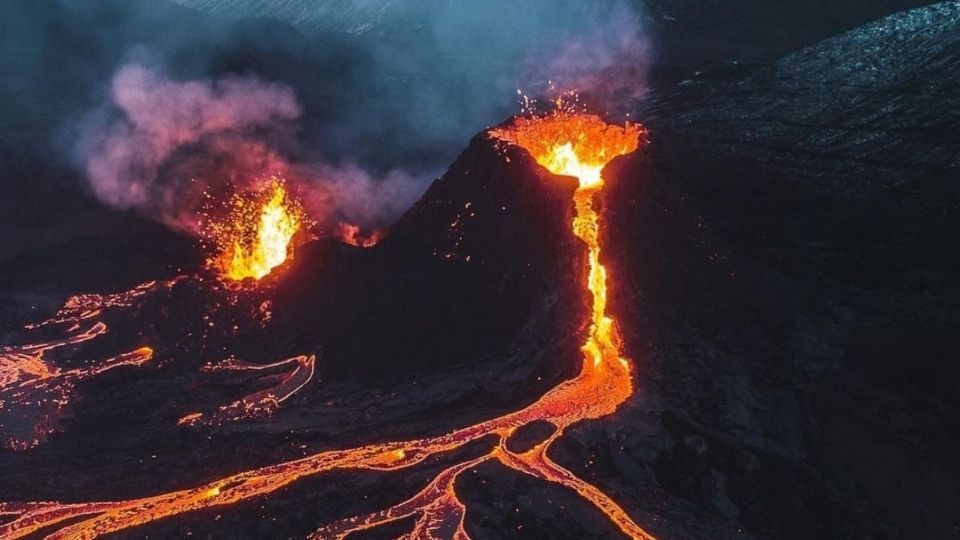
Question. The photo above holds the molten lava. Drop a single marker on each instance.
(34, 390)
(351, 234)
(565, 143)
(580, 145)
(255, 236)
(572, 144)
(259, 404)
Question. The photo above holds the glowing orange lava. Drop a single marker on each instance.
(34, 391)
(579, 145)
(563, 142)
(255, 236)
(259, 404)
(349, 233)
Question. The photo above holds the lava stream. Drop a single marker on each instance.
(34, 391)
(565, 143)
(259, 404)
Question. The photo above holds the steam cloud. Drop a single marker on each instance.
(164, 144)
(159, 143)
(606, 62)
(159, 117)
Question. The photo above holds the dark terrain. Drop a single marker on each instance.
(784, 268)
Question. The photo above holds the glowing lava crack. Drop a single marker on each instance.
(565, 143)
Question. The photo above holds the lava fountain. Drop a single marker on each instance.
(564, 142)
(255, 235)
(580, 145)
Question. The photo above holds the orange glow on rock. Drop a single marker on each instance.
(34, 390)
(351, 234)
(260, 404)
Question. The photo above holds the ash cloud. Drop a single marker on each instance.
(159, 146)
(159, 117)
(386, 93)
(606, 62)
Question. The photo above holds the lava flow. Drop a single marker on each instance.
(33, 390)
(254, 237)
(259, 404)
(565, 143)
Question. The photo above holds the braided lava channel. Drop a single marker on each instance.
(565, 143)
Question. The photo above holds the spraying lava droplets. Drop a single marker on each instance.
(565, 143)
(255, 235)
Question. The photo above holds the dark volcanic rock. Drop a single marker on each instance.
(788, 280)
(784, 270)
(873, 109)
(530, 435)
(694, 36)
(456, 279)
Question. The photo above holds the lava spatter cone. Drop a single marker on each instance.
(565, 143)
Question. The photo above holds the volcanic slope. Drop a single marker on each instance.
(797, 289)
(495, 209)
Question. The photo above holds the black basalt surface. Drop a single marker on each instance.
(455, 280)
(783, 266)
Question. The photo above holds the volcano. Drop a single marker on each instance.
(736, 321)
(512, 189)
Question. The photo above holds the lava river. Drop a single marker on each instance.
(563, 142)
(248, 239)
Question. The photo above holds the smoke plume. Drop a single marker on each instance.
(606, 62)
(426, 76)
(360, 144)
(161, 146)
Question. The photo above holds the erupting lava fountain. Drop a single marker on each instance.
(255, 235)
(565, 143)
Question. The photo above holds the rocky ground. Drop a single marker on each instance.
(783, 261)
